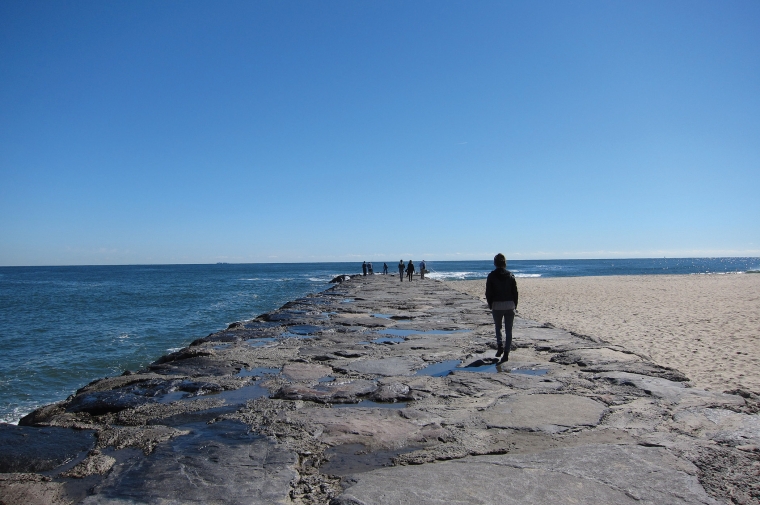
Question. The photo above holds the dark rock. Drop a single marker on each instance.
(103, 402)
(29, 449)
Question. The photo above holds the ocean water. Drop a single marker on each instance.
(62, 327)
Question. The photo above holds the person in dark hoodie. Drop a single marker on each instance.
(501, 295)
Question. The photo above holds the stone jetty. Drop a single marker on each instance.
(382, 392)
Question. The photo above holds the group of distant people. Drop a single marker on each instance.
(409, 269)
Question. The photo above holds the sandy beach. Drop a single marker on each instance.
(706, 326)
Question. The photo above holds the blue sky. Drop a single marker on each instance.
(198, 132)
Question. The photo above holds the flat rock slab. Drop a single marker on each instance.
(30, 449)
(549, 412)
(217, 463)
(339, 391)
(389, 367)
(591, 357)
(305, 371)
(591, 475)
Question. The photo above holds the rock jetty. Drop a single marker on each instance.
(382, 392)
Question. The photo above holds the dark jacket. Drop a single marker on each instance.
(501, 287)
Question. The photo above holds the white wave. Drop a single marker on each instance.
(317, 279)
(251, 279)
(456, 276)
(174, 349)
(527, 275)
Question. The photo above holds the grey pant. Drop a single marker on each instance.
(509, 317)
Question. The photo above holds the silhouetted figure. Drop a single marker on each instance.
(410, 270)
(369, 269)
(501, 295)
(385, 268)
(364, 268)
(401, 270)
(422, 269)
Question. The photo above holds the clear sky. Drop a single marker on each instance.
(252, 131)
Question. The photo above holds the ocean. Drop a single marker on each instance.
(63, 327)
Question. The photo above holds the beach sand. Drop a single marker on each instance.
(706, 326)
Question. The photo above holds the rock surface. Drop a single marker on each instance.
(377, 391)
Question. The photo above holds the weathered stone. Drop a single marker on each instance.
(592, 474)
(550, 412)
(338, 391)
(387, 366)
(305, 371)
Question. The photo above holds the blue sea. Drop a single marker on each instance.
(62, 327)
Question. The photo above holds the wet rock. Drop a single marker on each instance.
(30, 449)
(218, 463)
(104, 402)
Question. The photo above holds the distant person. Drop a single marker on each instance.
(364, 268)
(401, 270)
(501, 295)
(385, 268)
(410, 270)
(422, 270)
(369, 269)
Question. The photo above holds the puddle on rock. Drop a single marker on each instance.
(304, 329)
(441, 369)
(231, 397)
(241, 395)
(383, 316)
(389, 340)
(261, 342)
(405, 333)
(369, 404)
(326, 379)
(347, 300)
(354, 458)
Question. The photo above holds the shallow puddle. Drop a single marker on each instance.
(261, 342)
(369, 404)
(241, 395)
(441, 369)
(354, 458)
(383, 316)
(389, 340)
(405, 333)
(304, 329)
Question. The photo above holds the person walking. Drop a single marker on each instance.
(385, 268)
(364, 268)
(410, 270)
(422, 270)
(501, 295)
(401, 270)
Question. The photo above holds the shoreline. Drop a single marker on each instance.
(707, 326)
